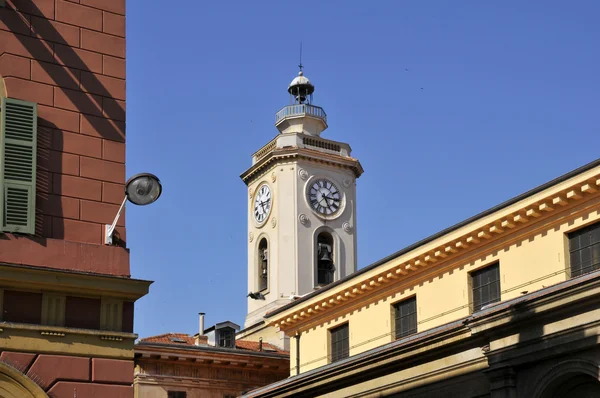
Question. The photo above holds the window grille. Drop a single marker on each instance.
(486, 286)
(584, 250)
(405, 317)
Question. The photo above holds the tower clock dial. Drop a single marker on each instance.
(262, 203)
(324, 197)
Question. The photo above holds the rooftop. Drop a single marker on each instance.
(186, 341)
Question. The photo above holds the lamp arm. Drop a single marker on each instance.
(110, 229)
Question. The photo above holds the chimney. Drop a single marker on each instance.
(201, 331)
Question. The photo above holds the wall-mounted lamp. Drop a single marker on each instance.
(141, 189)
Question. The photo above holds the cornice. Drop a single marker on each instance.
(439, 254)
(64, 281)
(284, 154)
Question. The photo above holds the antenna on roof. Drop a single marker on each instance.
(300, 65)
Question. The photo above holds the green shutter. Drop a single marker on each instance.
(18, 153)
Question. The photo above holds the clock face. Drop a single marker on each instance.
(262, 203)
(324, 197)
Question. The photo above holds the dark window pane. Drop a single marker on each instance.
(584, 250)
(340, 343)
(83, 313)
(128, 316)
(176, 394)
(486, 286)
(22, 307)
(405, 313)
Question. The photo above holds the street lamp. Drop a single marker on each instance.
(141, 189)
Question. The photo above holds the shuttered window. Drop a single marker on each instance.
(405, 317)
(486, 286)
(18, 152)
(584, 250)
(340, 342)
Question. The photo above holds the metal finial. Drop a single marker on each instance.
(300, 65)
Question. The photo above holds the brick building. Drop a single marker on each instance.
(209, 364)
(66, 299)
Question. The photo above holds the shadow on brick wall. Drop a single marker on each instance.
(100, 112)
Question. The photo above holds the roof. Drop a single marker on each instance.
(185, 340)
(300, 80)
(437, 235)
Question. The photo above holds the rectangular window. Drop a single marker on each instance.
(486, 286)
(584, 250)
(176, 394)
(405, 317)
(18, 149)
(22, 307)
(340, 342)
(226, 338)
(83, 313)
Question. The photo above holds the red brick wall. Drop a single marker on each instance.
(61, 375)
(69, 57)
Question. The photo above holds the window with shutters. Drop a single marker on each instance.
(584, 250)
(339, 342)
(176, 394)
(18, 153)
(485, 286)
(405, 317)
(22, 307)
(226, 337)
(83, 313)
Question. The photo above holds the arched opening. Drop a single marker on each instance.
(325, 266)
(263, 264)
(14, 384)
(573, 385)
(570, 378)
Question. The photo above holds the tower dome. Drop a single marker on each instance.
(301, 88)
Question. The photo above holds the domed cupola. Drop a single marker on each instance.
(301, 116)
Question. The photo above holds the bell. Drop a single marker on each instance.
(325, 254)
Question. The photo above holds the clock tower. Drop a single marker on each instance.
(301, 208)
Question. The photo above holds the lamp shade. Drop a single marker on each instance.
(143, 189)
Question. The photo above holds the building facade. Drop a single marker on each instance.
(301, 212)
(504, 304)
(66, 298)
(210, 364)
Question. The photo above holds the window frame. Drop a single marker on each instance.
(331, 344)
(395, 318)
(570, 236)
(226, 332)
(472, 275)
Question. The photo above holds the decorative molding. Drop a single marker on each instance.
(347, 183)
(111, 338)
(303, 174)
(251, 236)
(303, 219)
(442, 250)
(347, 227)
(250, 192)
(273, 222)
(273, 177)
(57, 334)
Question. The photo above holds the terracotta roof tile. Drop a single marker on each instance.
(183, 339)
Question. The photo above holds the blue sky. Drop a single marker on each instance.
(451, 107)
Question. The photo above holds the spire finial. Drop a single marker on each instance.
(300, 65)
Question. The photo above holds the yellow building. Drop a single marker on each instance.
(504, 304)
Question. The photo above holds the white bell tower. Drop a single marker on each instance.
(301, 208)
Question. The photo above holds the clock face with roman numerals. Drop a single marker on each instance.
(324, 197)
(262, 203)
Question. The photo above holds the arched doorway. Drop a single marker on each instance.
(575, 385)
(14, 384)
(570, 379)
